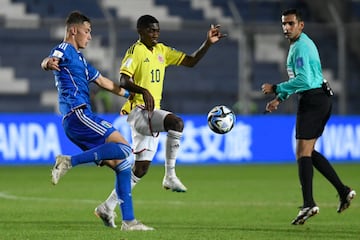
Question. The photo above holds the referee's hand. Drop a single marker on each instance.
(272, 105)
(267, 88)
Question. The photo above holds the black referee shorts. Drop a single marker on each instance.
(314, 111)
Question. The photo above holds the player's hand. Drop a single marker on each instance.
(53, 64)
(214, 34)
(148, 100)
(272, 105)
(267, 88)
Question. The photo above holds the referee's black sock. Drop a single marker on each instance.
(325, 168)
(306, 172)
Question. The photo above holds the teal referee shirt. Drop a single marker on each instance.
(303, 67)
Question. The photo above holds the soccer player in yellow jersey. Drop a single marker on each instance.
(142, 72)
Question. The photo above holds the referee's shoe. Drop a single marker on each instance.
(304, 214)
(345, 200)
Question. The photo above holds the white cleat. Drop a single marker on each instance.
(174, 184)
(62, 165)
(346, 200)
(134, 225)
(304, 214)
(106, 215)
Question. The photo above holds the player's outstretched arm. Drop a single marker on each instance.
(213, 36)
(110, 86)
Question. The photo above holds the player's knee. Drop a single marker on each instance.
(141, 168)
(173, 122)
(179, 126)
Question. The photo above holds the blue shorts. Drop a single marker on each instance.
(85, 129)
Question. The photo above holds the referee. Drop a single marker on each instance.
(314, 110)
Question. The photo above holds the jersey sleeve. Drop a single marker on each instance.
(58, 52)
(65, 54)
(92, 72)
(173, 56)
(130, 61)
(297, 68)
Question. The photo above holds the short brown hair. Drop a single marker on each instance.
(76, 17)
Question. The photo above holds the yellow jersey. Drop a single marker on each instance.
(147, 69)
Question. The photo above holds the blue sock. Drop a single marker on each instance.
(107, 151)
(123, 190)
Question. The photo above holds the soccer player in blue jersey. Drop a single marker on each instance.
(101, 142)
(143, 72)
(314, 110)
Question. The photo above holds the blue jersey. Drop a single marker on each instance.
(73, 79)
(81, 125)
(303, 67)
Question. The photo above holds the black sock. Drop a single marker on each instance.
(306, 173)
(325, 168)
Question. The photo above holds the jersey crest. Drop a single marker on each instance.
(161, 58)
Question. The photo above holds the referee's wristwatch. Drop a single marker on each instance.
(274, 87)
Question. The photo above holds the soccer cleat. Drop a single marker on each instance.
(134, 225)
(106, 215)
(174, 184)
(62, 165)
(304, 214)
(346, 200)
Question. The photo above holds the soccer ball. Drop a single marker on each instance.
(221, 119)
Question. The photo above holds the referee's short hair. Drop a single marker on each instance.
(294, 11)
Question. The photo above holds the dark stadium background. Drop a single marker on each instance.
(230, 74)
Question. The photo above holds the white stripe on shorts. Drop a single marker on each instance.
(89, 122)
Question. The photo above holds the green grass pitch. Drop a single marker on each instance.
(223, 202)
